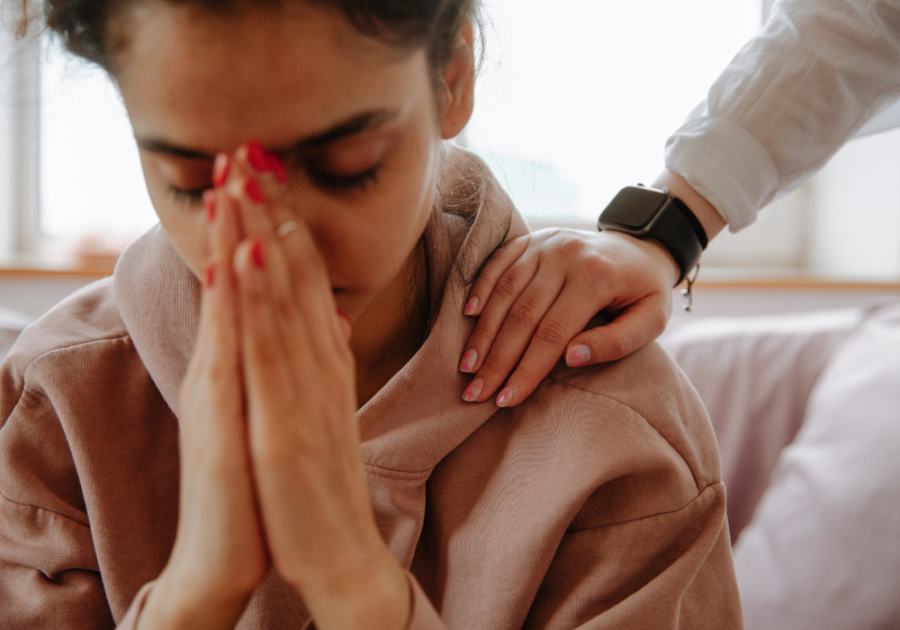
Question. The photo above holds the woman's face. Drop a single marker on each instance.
(356, 120)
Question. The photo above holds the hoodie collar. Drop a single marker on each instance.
(418, 417)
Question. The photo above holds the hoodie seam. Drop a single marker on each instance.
(60, 349)
(648, 516)
(556, 379)
(28, 506)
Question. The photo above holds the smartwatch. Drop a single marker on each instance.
(650, 213)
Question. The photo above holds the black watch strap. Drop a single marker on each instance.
(649, 213)
(681, 233)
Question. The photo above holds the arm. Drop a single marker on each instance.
(793, 95)
(48, 566)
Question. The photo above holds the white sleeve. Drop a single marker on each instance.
(809, 81)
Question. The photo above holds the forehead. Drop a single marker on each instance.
(213, 81)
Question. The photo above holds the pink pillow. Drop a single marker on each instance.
(754, 374)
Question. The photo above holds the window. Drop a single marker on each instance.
(575, 100)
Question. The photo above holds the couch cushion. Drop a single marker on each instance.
(823, 549)
(755, 374)
(11, 324)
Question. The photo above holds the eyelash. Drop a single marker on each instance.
(344, 183)
(184, 197)
(336, 183)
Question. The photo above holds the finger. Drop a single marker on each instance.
(640, 324)
(262, 342)
(245, 189)
(506, 292)
(297, 271)
(492, 271)
(566, 318)
(522, 323)
(534, 320)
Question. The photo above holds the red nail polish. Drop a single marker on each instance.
(258, 157)
(253, 190)
(278, 168)
(221, 167)
(209, 202)
(210, 272)
(257, 255)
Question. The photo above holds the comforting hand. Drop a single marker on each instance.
(537, 294)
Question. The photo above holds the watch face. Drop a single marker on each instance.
(633, 208)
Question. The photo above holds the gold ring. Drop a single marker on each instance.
(286, 228)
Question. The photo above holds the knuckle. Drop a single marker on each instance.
(571, 247)
(493, 367)
(594, 267)
(481, 337)
(527, 375)
(523, 316)
(506, 287)
(490, 272)
(553, 333)
(619, 345)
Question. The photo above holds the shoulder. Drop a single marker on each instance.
(64, 345)
(649, 384)
(87, 316)
(634, 434)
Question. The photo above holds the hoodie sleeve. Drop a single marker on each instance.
(49, 573)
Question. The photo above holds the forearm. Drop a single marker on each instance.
(376, 596)
(706, 213)
(174, 605)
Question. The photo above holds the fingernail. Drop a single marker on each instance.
(220, 170)
(258, 157)
(505, 397)
(578, 356)
(210, 272)
(473, 391)
(253, 190)
(257, 255)
(209, 201)
(468, 361)
(278, 168)
(471, 306)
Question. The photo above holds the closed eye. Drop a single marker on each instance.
(344, 183)
(187, 197)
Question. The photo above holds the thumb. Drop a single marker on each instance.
(629, 331)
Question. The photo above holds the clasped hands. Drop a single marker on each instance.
(271, 474)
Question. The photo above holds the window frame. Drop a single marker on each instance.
(20, 113)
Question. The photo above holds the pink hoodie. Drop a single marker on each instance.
(595, 504)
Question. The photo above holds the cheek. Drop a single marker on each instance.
(380, 232)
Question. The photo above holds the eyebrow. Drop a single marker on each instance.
(344, 129)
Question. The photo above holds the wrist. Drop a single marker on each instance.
(706, 213)
(175, 603)
(375, 596)
(662, 257)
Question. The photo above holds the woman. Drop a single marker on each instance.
(257, 422)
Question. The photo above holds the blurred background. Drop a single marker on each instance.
(575, 100)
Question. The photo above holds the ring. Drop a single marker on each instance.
(286, 228)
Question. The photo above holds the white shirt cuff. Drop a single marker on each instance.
(725, 164)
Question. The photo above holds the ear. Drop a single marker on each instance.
(458, 83)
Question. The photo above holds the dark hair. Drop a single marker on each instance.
(83, 25)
